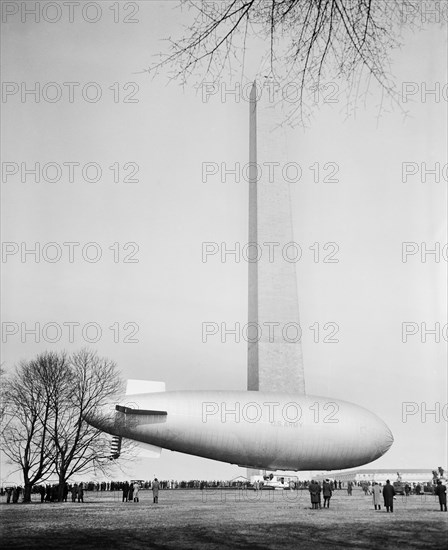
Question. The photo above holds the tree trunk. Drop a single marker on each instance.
(61, 487)
(27, 492)
(62, 482)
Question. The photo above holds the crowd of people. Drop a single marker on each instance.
(387, 491)
(407, 488)
(13, 493)
(131, 489)
(316, 490)
(50, 493)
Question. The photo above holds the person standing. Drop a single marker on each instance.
(388, 495)
(327, 493)
(376, 492)
(131, 492)
(314, 490)
(155, 490)
(349, 488)
(74, 492)
(81, 492)
(125, 491)
(440, 491)
(136, 490)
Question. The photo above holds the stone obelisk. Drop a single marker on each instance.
(275, 361)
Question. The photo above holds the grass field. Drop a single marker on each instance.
(223, 519)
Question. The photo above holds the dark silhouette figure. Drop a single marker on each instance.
(440, 491)
(327, 493)
(155, 490)
(314, 490)
(125, 491)
(388, 495)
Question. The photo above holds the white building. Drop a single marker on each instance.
(410, 475)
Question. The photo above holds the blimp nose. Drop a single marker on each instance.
(387, 439)
(382, 438)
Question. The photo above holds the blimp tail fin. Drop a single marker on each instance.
(134, 387)
(143, 450)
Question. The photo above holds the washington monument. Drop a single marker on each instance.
(275, 361)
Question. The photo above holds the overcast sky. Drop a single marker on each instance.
(162, 219)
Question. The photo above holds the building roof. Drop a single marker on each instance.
(385, 470)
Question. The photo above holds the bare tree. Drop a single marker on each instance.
(81, 448)
(46, 401)
(2, 397)
(26, 438)
(306, 43)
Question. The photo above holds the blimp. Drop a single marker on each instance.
(252, 429)
(275, 424)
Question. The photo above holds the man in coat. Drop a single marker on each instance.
(349, 488)
(440, 491)
(125, 489)
(136, 491)
(155, 490)
(314, 490)
(376, 492)
(81, 492)
(388, 495)
(327, 492)
(74, 492)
